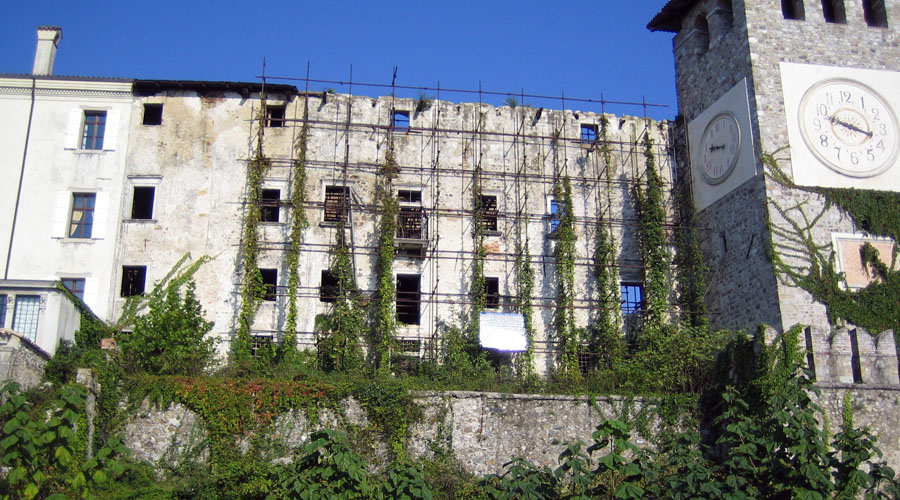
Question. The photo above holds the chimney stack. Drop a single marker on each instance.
(48, 39)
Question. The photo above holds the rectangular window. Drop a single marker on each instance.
(337, 203)
(82, 220)
(92, 132)
(793, 9)
(275, 116)
(142, 202)
(269, 205)
(409, 345)
(400, 120)
(259, 344)
(555, 213)
(411, 216)
(632, 298)
(328, 287)
(74, 285)
(409, 196)
(833, 10)
(270, 282)
(489, 213)
(133, 280)
(492, 293)
(875, 14)
(408, 298)
(2, 311)
(152, 114)
(588, 133)
(25, 316)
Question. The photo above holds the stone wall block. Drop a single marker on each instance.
(887, 358)
(841, 362)
(821, 347)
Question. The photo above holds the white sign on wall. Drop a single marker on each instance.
(503, 331)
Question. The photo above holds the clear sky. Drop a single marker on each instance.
(583, 49)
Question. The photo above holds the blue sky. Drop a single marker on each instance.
(578, 48)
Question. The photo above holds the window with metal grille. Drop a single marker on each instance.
(408, 298)
(2, 311)
(152, 114)
(793, 9)
(489, 213)
(400, 120)
(82, 221)
(492, 293)
(328, 287)
(409, 345)
(875, 13)
(833, 10)
(588, 133)
(142, 202)
(268, 206)
(133, 280)
(25, 316)
(74, 285)
(93, 130)
(259, 344)
(275, 116)
(337, 203)
(411, 222)
(270, 283)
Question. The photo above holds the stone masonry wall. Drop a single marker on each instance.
(20, 360)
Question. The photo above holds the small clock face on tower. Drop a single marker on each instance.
(720, 148)
(849, 127)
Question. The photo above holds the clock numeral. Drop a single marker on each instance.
(817, 123)
(880, 145)
(823, 140)
(838, 153)
(883, 127)
(822, 110)
(845, 96)
(870, 155)
(854, 159)
(875, 113)
(862, 103)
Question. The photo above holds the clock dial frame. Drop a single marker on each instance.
(720, 148)
(849, 127)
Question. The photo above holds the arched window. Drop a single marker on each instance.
(875, 13)
(793, 9)
(701, 33)
(833, 10)
(725, 12)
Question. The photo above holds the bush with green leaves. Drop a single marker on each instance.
(170, 339)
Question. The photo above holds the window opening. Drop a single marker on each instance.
(701, 25)
(337, 203)
(142, 202)
(259, 344)
(875, 14)
(25, 315)
(409, 196)
(328, 287)
(409, 345)
(400, 120)
(810, 357)
(269, 205)
(270, 284)
(152, 114)
(632, 295)
(133, 280)
(489, 213)
(833, 10)
(555, 212)
(275, 116)
(588, 133)
(408, 298)
(74, 285)
(492, 293)
(2, 311)
(94, 127)
(727, 12)
(793, 9)
(82, 220)
(854, 358)
(411, 216)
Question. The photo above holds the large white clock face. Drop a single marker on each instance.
(849, 127)
(720, 148)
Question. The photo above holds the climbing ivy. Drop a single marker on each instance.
(384, 322)
(652, 240)
(524, 295)
(479, 283)
(689, 261)
(299, 222)
(564, 252)
(338, 332)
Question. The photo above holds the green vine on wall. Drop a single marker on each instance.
(384, 321)
(299, 222)
(524, 296)
(338, 332)
(689, 260)
(564, 252)
(252, 288)
(652, 240)
(479, 283)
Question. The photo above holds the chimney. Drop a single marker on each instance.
(48, 38)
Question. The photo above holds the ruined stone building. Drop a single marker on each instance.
(117, 179)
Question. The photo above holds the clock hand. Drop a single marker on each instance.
(713, 148)
(850, 126)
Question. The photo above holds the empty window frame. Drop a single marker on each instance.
(875, 13)
(489, 212)
(793, 9)
(269, 205)
(74, 285)
(408, 299)
(270, 284)
(142, 202)
(492, 293)
(588, 133)
(409, 196)
(632, 298)
(134, 279)
(337, 203)
(555, 213)
(726, 12)
(93, 130)
(81, 222)
(833, 10)
(400, 120)
(152, 114)
(275, 116)
(3, 311)
(701, 31)
(25, 315)
(329, 289)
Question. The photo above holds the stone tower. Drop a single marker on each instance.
(812, 82)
